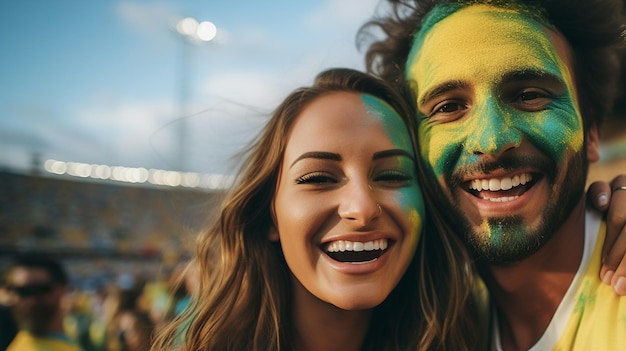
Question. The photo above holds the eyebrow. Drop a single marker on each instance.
(392, 153)
(442, 89)
(317, 155)
(529, 75)
(336, 157)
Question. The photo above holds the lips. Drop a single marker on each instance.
(503, 189)
(356, 251)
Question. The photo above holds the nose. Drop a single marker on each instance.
(493, 132)
(359, 204)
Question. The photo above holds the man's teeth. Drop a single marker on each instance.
(345, 245)
(495, 184)
(501, 199)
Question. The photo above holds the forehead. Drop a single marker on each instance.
(343, 118)
(23, 276)
(484, 42)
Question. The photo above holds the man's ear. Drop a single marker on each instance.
(593, 144)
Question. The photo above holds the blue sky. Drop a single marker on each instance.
(100, 81)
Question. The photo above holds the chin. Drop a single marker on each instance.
(358, 302)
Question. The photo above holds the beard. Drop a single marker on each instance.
(508, 239)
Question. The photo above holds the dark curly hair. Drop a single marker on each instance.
(595, 30)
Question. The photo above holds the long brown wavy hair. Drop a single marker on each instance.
(244, 300)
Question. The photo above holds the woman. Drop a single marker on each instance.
(319, 245)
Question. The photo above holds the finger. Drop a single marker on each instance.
(620, 180)
(615, 257)
(616, 214)
(599, 195)
(612, 251)
(618, 280)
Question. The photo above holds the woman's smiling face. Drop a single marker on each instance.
(348, 208)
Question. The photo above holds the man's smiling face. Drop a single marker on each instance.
(499, 126)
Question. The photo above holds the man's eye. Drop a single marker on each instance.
(530, 95)
(449, 107)
(316, 178)
(448, 111)
(532, 100)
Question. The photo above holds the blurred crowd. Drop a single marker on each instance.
(120, 316)
(124, 251)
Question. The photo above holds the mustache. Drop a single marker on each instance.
(507, 163)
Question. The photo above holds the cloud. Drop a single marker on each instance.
(146, 134)
(127, 133)
(335, 25)
(153, 20)
(341, 14)
(257, 89)
(257, 39)
(138, 133)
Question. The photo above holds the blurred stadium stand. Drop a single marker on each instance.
(100, 228)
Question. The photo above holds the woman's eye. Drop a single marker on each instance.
(394, 176)
(316, 178)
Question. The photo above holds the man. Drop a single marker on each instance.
(8, 327)
(38, 284)
(510, 96)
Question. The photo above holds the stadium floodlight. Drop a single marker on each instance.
(190, 30)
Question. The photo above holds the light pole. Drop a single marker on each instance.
(191, 32)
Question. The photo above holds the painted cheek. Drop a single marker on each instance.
(412, 204)
(555, 131)
(440, 145)
(558, 128)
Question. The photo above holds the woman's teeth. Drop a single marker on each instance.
(345, 245)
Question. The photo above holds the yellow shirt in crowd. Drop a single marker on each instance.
(25, 341)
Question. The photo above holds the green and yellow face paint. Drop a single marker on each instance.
(490, 79)
(410, 197)
(478, 47)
